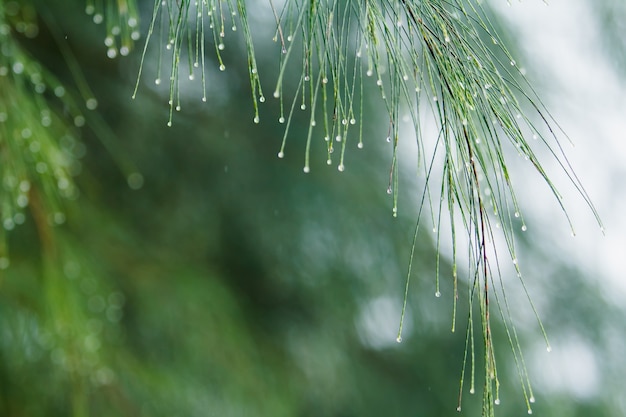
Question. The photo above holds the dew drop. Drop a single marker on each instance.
(516, 214)
(389, 190)
(222, 67)
(549, 349)
(281, 119)
(313, 123)
(221, 46)
(388, 139)
(458, 409)
(369, 73)
(341, 168)
(157, 81)
(512, 63)
(532, 399)
(97, 18)
(191, 77)
(530, 411)
(326, 138)
(447, 39)
(306, 169)
(438, 294)
(472, 391)
(276, 94)
(135, 181)
(169, 124)
(379, 82)
(514, 261)
(178, 107)
(262, 99)
(112, 53)
(256, 119)
(303, 106)
(360, 145)
(352, 121)
(524, 228)
(338, 138)
(324, 80)
(289, 38)
(307, 78)
(399, 339)
(329, 161)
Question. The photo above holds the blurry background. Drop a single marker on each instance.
(226, 282)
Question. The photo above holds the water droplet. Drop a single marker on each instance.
(388, 139)
(178, 107)
(222, 67)
(289, 38)
(472, 390)
(326, 138)
(256, 119)
(109, 41)
(341, 168)
(389, 190)
(111, 53)
(303, 106)
(135, 181)
(524, 228)
(276, 94)
(369, 73)
(497, 401)
(530, 411)
(516, 214)
(313, 123)
(458, 409)
(379, 82)
(324, 80)
(344, 122)
(221, 46)
(549, 349)
(169, 124)
(306, 169)
(399, 339)
(514, 261)
(338, 138)
(358, 53)
(281, 119)
(512, 63)
(157, 81)
(191, 77)
(307, 78)
(329, 161)
(438, 294)
(98, 18)
(532, 399)
(447, 39)
(262, 99)
(352, 121)
(360, 145)
(281, 154)
(435, 98)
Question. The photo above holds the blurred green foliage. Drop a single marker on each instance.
(230, 283)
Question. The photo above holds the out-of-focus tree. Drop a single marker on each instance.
(185, 270)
